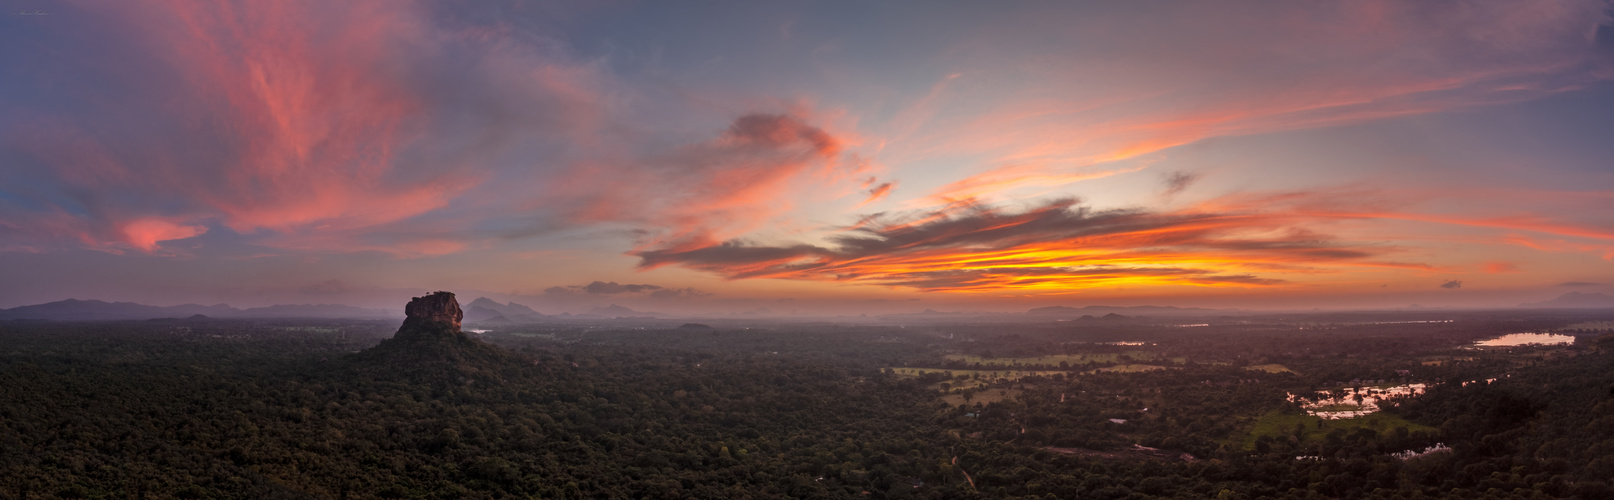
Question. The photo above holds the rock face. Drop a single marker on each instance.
(438, 306)
(435, 316)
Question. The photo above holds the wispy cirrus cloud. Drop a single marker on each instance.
(1041, 114)
(1177, 182)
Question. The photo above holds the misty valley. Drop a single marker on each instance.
(1340, 405)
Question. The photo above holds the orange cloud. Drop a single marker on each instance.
(878, 192)
(1244, 240)
(1499, 267)
(1057, 246)
(1560, 245)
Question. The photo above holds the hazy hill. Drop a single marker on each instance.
(484, 310)
(96, 310)
(314, 311)
(1576, 300)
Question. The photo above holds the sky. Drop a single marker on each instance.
(808, 158)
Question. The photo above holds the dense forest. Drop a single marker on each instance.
(205, 408)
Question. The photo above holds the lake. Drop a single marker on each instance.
(1518, 339)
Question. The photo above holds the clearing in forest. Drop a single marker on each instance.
(1281, 425)
(1272, 368)
(1129, 368)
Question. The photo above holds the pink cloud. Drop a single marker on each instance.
(296, 123)
(714, 190)
(145, 233)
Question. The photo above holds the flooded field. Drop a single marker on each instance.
(1518, 339)
(1352, 402)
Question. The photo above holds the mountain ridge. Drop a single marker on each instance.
(486, 310)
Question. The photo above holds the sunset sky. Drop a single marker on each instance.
(808, 157)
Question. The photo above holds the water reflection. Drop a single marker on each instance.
(1350, 402)
(1518, 339)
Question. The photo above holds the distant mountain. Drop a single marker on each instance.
(483, 310)
(481, 314)
(1132, 310)
(1576, 300)
(314, 311)
(96, 310)
(510, 309)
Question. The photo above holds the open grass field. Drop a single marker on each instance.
(1129, 368)
(1281, 425)
(1273, 368)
